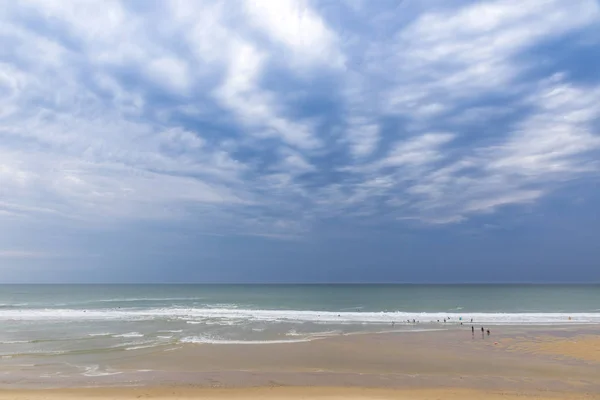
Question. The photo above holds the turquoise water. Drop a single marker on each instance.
(368, 298)
(55, 320)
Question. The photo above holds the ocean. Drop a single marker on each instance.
(83, 323)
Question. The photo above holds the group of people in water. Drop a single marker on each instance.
(483, 331)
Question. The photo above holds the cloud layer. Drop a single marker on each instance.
(272, 118)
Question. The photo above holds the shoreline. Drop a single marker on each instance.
(522, 359)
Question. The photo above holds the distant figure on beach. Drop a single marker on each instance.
(471, 320)
(444, 321)
(472, 329)
(393, 323)
(488, 332)
(482, 330)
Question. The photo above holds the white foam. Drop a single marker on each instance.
(143, 346)
(129, 335)
(294, 333)
(226, 316)
(94, 371)
(213, 340)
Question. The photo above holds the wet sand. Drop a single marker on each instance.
(513, 362)
(583, 347)
(284, 393)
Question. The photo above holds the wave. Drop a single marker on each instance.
(129, 335)
(142, 346)
(94, 371)
(136, 299)
(13, 305)
(227, 315)
(215, 340)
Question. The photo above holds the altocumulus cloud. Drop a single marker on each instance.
(269, 118)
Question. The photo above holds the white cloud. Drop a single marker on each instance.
(171, 72)
(255, 107)
(555, 143)
(363, 136)
(451, 54)
(550, 141)
(419, 150)
(488, 205)
(294, 162)
(295, 25)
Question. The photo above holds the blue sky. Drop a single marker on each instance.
(289, 141)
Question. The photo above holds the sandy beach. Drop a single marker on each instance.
(283, 393)
(541, 363)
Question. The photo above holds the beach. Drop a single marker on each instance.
(512, 362)
(363, 342)
(283, 394)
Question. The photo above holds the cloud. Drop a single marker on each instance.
(553, 140)
(420, 150)
(171, 72)
(273, 118)
(296, 26)
(254, 107)
(444, 57)
(363, 136)
(489, 205)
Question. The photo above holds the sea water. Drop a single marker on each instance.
(50, 322)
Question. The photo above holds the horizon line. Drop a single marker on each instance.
(307, 283)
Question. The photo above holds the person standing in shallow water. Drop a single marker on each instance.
(472, 329)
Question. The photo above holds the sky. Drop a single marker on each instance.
(300, 141)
